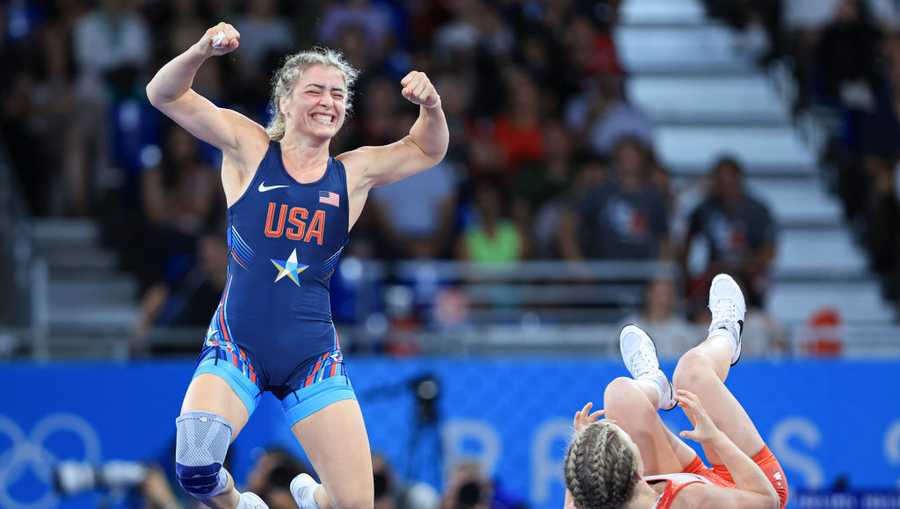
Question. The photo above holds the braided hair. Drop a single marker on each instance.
(601, 469)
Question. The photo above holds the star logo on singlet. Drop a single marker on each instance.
(289, 268)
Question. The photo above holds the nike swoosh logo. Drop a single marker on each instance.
(263, 187)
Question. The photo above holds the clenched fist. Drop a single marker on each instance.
(417, 89)
(219, 40)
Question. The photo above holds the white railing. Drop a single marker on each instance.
(456, 308)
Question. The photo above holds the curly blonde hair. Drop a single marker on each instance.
(601, 470)
(286, 77)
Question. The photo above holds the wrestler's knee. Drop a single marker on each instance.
(692, 370)
(622, 398)
(202, 441)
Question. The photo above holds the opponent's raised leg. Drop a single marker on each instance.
(704, 368)
(633, 404)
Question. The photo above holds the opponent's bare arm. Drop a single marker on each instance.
(170, 92)
(754, 491)
(424, 146)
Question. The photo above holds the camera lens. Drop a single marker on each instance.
(71, 477)
(469, 494)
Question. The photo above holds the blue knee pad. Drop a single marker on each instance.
(201, 443)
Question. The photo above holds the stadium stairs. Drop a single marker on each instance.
(90, 306)
(691, 74)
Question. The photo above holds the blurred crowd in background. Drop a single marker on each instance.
(274, 468)
(549, 160)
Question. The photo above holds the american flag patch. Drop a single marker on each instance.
(330, 198)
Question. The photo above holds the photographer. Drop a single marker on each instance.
(271, 477)
(157, 491)
(120, 483)
(467, 488)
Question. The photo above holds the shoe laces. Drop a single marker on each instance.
(644, 362)
(724, 312)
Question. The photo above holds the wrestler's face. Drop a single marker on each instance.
(318, 103)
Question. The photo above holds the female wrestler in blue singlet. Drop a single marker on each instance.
(290, 209)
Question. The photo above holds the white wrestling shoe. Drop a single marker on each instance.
(251, 500)
(639, 355)
(726, 302)
(303, 489)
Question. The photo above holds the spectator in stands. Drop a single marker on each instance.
(592, 50)
(659, 317)
(543, 224)
(176, 23)
(458, 31)
(592, 172)
(415, 215)
(17, 108)
(540, 188)
(739, 232)
(491, 236)
(880, 128)
(182, 191)
(112, 46)
(832, 44)
(624, 218)
(882, 233)
(115, 123)
(662, 181)
(603, 117)
(368, 34)
(846, 57)
(371, 18)
(759, 21)
(376, 125)
(180, 200)
(537, 53)
(189, 301)
(54, 112)
(862, 151)
(112, 37)
(263, 32)
(456, 92)
(38, 108)
(518, 132)
(867, 154)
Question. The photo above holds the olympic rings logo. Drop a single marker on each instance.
(30, 452)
